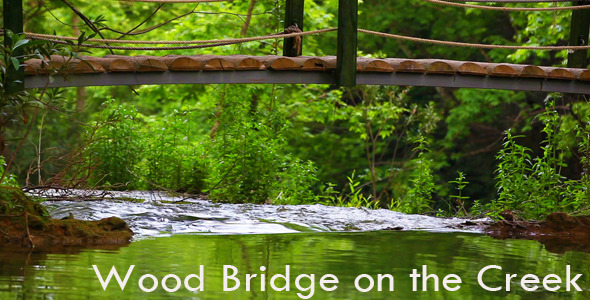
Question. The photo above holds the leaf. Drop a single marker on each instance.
(15, 63)
(20, 44)
(35, 104)
(81, 38)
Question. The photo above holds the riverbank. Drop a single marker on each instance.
(26, 223)
(559, 232)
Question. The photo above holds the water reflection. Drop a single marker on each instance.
(346, 255)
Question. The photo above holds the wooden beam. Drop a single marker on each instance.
(293, 16)
(347, 42)
(13, 21)
(579, 34)
(310, 77)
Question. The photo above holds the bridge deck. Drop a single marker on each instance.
(208, 69)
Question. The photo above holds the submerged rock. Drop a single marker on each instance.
(559, 232)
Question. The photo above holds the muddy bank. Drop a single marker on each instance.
(25, 223)
(559, 232)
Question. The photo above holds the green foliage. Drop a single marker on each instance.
(578, 191)
(535, 186)
(419, 197)
(513, 174)
(9, 179)
(354, 198)
(477, 107)
(171, 158)
(116, 146)
(12, 198)
(14, 103)
(460, 198)
(248, 162)
(274, 144)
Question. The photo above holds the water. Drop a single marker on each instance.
(310, 240)
(157, 216)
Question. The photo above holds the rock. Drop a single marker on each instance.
(559, 232)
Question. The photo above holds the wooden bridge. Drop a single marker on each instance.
(343, 69)
(207, 69)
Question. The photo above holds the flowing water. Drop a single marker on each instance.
(291, 241)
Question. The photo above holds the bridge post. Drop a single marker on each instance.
(579, 34)
(293, 16)
(13, 21)
(347, 42)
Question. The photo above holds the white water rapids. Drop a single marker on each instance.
(156, 216)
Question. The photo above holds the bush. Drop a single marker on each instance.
(116, 146)
(534, 186)
(248, 160)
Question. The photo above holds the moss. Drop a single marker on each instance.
(14, 201)
(130, 199)
(175, 202)
(25, 223)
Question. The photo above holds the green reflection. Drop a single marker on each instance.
(346, 255)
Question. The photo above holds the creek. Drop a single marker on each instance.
(266, 240)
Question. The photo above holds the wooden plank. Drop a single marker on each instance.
(438, 67)
(532, 71)
(64, 65)
(145, 64)
(501, 70)
(373, 65)
(84, 65)
(309, 63)
(12, 11)
(30, 70)
(470, 68)
(515, 70)
(331, 62)
(37, 65)
(230, 62)
(48, 66)
(274, 62)
(218, 64)
(245, 63)
(114, 64)
(582, 74)
(184, 63)
(347, 42)
(406, 65)
(294, 10)
(559, 73)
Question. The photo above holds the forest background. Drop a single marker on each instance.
(438, 151)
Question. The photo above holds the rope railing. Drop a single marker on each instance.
(471, 45)
(196, 44)
(116, 41)
(506, 8)
(200, 43)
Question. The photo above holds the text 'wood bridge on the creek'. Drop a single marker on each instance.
(345, 69)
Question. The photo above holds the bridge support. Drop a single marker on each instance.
(13, 21)
(347, 42)
(579, 34)
(293, 16)
(311, 77)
